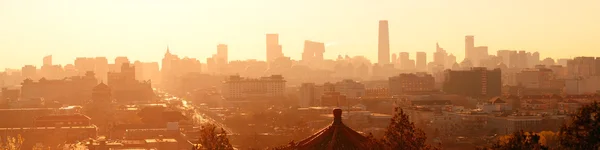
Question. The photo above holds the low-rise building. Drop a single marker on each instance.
(411, 84)
(236, 87)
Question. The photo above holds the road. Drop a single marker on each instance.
(200, 118)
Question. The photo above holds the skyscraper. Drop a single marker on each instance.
(384, 43)
(450, 61)
(439, 57)
(404, 60)
(505, 55)
(222, 54)
(469, 46)
(313, 51)
(273, 47)
(421, 61)
(47, 60)
(478, 54)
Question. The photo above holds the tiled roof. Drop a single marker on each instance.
(63, 117)
(497, 100)
(335, 136)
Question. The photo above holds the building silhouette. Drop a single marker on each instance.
(421, 61)
(72, 90)
(384, 43)
(408, 84)
(477, 82)
(274, 49)
(47, 61)
(313, 52)
(125, 88)
(439, 56)
(29, 72)
(238, 88)
(469, 46)
(222, 54)
(310, 94)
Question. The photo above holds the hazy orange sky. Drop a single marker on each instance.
(141, 29)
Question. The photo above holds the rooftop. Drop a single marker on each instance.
(335, 136)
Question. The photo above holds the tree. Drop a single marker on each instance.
(519, 140)
(583, 131)
(549, 138)
(373, 143)
(11, 143)
(402, 134)
(213, 139)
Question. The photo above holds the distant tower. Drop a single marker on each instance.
(47, 60)
(222, 54)
(469, 46)
(273, 47)
(119, 61)
(439, 56)
(421, 61)
(404, 59)
(384, 43)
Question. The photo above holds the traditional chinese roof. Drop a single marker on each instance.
(336, 136)
(497, 100)
(101, 87)
(63, 117)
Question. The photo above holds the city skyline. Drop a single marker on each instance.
(345, 32)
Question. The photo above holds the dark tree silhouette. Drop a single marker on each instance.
(520, 140)
(373, 143)
(402, 134)
(583, 131)
(213, 139)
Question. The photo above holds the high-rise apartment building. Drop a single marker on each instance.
(536, 78)
(534, 59)
(450, 61)
(222, 54)
(479, 53)
(310, 94)
(505, 55)
(469, 46)
(384, 43)
(274, 50)
(101, 68)
(119, 61)
(404, 60)
(29, 72)
(522, 59)
(421, 61)
(439, 56)
(583, 67)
